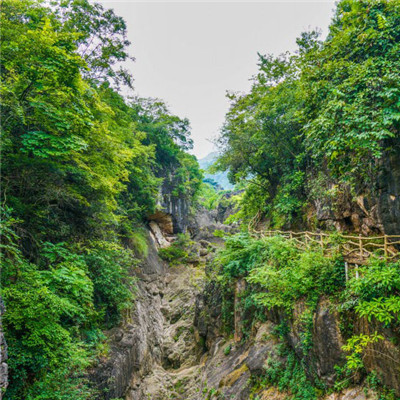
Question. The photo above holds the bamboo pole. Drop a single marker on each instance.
(306, 238)
(385, 246)
(346, 270)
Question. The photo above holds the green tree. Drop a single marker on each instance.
(261, 138)
(331, 109)
(351, 89)
(81, 170)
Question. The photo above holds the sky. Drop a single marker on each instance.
(189, 54)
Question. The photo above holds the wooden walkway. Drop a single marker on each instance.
(355, 249)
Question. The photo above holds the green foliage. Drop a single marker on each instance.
(289, 275)
(213, 199)
(62, 141)
(178, 251)
(110, 269)
(139, 242)
(351, 98)
(376, 294)
(374, 382)
(289, 376)
(280, 273)
(169, 135)
(101, 39)
(356, 346)
(278, 276)
(261, 138)
(323, 111)
(49, 305)
(208, 197)
(227, 350)
(81, 169)
(240, 255)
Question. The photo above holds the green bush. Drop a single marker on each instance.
(227, 350)
(289, 274)
(376, 293)
(49, 305)
(178, 251)
(287, 377)
(110, 269)
(279, 273)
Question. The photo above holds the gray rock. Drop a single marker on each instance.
(3, 354)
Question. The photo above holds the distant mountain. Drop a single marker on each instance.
(221, 178)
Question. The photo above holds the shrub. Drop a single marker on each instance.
(110, 268)
(177, 252)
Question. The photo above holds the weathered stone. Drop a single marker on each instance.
(240, 288)
(388, 203)
(383, 356)
(203, 252)
(327, 342)
(356, 393)
(151, 266)
(3, 354)
(135, 346)
(204, 243)
(234, 376)
(171, 344)
(158, 234)
(164, 221)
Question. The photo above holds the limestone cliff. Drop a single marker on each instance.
(173, 346)
(370, 208)
(3, 355)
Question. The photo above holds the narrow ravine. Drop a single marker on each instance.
(172, 346)
(176, 372)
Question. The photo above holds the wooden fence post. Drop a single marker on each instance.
(357, 276)
(385, 244)
(346, 270)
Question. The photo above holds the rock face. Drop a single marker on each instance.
(207, 318)
(325, 352)
(157, 349)
(3, 354)
(389, 193)
(229, 372)
(176, 206)
(203, 225)
(226, 206)
(136, 345)
(327, 342)
(320, 354)
(375, 209)
(157, 234)
(178, 359)
(357, 393)
(171, 345)
(344, 213)
(383, 356)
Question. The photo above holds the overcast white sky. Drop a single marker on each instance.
(190, 53)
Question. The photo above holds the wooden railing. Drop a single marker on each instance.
(355, 249)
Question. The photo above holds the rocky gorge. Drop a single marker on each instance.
(173, 345)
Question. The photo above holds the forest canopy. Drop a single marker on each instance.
(82, 168)
(322, 116)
